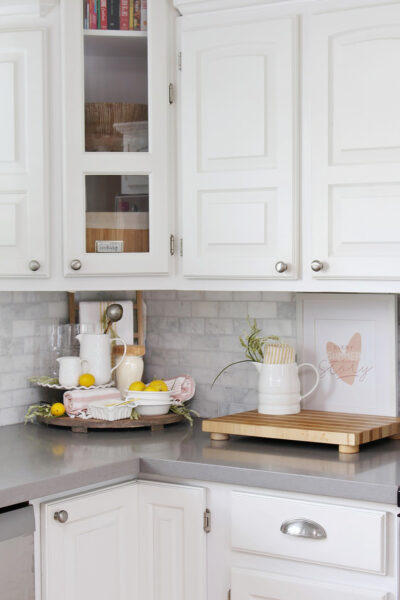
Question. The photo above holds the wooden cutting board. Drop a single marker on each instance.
(346, 430)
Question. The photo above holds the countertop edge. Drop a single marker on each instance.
(69, 482)
(307, 484)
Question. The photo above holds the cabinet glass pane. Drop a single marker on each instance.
(117, 213)
(116, 75)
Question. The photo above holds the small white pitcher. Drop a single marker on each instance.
(70, 369)
(279, 388)
(96, 351)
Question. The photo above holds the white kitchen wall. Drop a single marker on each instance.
(187, 332)
(22, 317)
(198, 333)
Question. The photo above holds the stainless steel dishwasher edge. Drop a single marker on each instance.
(17, 577)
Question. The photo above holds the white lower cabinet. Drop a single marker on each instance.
(93, 553)
(146, 540)
(250, 585)
(172, 560)
(136, 540)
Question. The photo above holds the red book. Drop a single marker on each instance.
(124, 14)
(92, 15)
(103, 14)
(136, 15)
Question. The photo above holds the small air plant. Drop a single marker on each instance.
(254, 344)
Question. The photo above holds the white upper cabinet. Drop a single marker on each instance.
(23, 166)
(354, 120)
(238, 145)
(117, 140)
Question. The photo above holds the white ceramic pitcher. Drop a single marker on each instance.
(279, 388)
(96, 351)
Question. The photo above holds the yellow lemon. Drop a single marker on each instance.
(57, 409)
(86, 380)
(150, 388)
(137, 386)
(159, 385)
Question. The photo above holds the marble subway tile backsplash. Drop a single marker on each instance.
(22, 316)
(198, 333)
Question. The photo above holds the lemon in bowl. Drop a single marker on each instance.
(137, 386)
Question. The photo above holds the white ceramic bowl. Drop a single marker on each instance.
(152, 407)
(159, 396)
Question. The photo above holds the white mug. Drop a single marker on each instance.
(279, 388)
(70, 369)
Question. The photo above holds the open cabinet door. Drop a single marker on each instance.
(172, 542)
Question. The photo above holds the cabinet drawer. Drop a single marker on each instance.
(355, 538)
(264, 586)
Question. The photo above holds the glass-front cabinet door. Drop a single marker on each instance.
(117, 108)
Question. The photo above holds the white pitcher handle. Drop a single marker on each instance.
(123, 354)
(316, 382)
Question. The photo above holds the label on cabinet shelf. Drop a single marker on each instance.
(110, 246)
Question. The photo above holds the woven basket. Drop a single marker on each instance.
(100, 135)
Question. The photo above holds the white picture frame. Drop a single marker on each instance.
(352, 340)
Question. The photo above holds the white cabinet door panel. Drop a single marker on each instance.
(251, 585)
(23, 188)
(238, 147)
(94, 553)
(172, 548)
(355, 142)
(153, 64)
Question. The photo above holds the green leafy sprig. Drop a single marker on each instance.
(185, 412)
(37, 410)
(44, 380)
(253, 343)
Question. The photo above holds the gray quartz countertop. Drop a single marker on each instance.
(38, 461)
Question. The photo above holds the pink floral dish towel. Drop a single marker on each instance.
(77, 401)
(182, 388)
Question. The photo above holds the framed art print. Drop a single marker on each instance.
(352, 340)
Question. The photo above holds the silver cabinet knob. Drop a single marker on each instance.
(61, 516)
(303, 528)
(75, 264)
(317, 265)
(281, 267)
(34, 265)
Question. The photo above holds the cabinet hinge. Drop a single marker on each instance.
(398, 496)
(181, 247)
(180, 61)
(172, 245)
(171, 93)
(207, 520)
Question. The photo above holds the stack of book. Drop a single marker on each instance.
(115, 14)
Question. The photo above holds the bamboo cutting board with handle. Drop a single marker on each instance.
(348, 431)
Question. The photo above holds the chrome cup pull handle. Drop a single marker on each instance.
(303, 528)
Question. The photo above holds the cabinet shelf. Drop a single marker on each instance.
(114, 33)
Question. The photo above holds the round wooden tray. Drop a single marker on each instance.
(78, 425)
